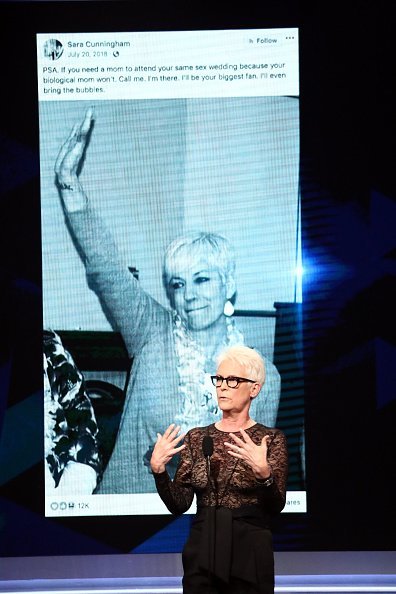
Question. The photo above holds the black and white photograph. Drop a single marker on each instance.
(176, 223)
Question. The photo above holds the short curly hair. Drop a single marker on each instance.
(189, 248)
(249, 358)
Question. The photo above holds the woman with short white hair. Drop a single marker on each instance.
(237, 469)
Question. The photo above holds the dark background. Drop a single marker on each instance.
(347, 61)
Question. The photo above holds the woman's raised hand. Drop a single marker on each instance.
(165, 448)
(68, 163)
(254, 455)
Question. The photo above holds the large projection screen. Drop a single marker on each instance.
(191, 132)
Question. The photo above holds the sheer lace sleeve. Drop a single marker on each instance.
(278, 460)
(178, 494)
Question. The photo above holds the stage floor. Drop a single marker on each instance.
(303, 572)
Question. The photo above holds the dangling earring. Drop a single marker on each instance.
(228, 309)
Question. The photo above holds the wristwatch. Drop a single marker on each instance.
(266, 482)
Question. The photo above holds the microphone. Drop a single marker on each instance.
(207, 450)
(207, 446)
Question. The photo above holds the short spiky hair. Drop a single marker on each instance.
(251, 360)
(189, 248)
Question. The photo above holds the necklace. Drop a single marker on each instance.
(197, 395)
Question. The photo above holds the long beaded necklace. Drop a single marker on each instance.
(197, 395)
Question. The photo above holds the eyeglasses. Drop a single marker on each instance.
(232, 381)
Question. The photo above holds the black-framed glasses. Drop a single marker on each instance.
(232, 381)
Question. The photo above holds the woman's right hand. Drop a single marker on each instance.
(68, 163)
(165, 448)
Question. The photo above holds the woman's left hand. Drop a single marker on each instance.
(254, 455)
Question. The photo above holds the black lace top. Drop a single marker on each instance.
(233, 483)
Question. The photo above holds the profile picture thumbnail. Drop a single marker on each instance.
(53, 49)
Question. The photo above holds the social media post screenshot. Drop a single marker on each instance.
(170, 204)
(168, 65)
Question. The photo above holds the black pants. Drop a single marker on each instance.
(251, 547)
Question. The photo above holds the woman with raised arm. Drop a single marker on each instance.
(237, 468)
(173, 350)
